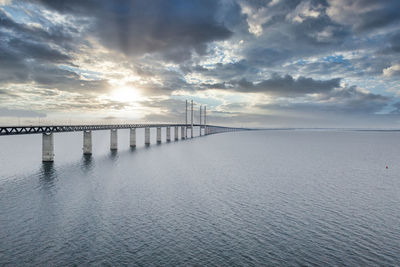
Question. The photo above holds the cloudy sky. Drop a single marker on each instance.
(268, 63)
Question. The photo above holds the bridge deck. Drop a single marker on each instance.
(31, 129)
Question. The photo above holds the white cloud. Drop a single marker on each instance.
(5, 2)
(349, 11)
(391, 71)
(255, 18)
(303, 10)
(274, 2)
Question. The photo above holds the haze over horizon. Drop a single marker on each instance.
(277, 63)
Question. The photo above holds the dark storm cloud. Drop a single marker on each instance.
(287, 85)
(172, 28)
(30, 53)
(365, 15)
(393, 45)
(38, 51)
(12, 67)
(23, 62)
(57, 34)
(291, 33)
(346, 100)
(226, 71)
(281, 86)
(268, 57)
(52, 77)
(286, 35)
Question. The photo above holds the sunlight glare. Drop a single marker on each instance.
(125, 94)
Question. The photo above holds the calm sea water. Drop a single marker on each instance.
(247, 198)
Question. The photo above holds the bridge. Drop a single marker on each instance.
(47, 132)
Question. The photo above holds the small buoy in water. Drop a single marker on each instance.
(387, 167)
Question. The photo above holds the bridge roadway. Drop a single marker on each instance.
(35, 129)
(47, 132)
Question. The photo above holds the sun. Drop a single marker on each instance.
(125, 94)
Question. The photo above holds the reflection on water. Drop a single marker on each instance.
(114, 154)
(282, 198)
(87, 163)
(47, 175)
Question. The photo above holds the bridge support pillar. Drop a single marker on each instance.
(183, 132)
(113, 139)
(47, 147)
(159, 135)
(132, 137)
(87, 142)
(147, 136)
(176, 133)
(168, 134)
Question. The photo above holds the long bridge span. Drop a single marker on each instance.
(48, 132)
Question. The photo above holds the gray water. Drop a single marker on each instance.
(246, 198)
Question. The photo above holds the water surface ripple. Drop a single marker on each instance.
(286, 198)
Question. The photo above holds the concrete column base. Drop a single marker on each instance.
(47, 147)
(158, 135)
(183, 132)
(147, 136)
(168, 134)
(132, 137)
(176, 133)
(87, 142)
(113, 139)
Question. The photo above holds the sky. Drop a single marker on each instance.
(253, 63)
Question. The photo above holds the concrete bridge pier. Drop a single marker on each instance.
(113, 139)
(168, 134)
(158, 135)
(47, 147)
(87, 142)
(132, 137)
(176, 133)
(183, 132)
(147, 136)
